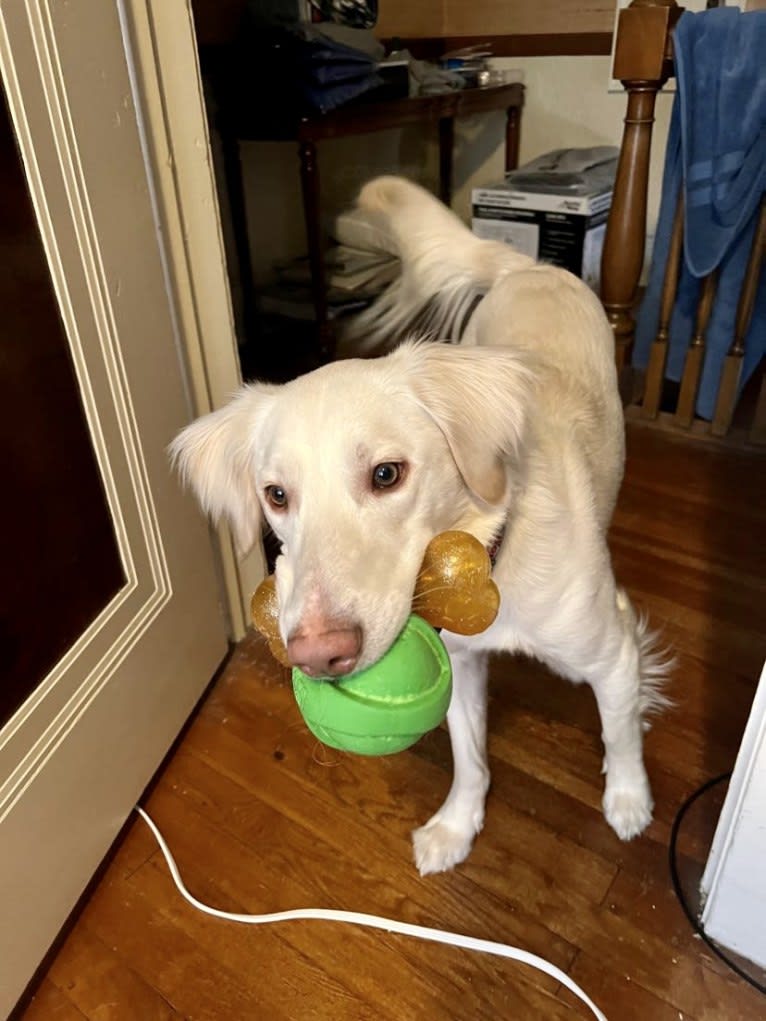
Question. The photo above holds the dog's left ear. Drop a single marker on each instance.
(478, 396)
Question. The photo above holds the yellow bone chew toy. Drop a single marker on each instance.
(454, 589)
(391, 704)
(264, 609)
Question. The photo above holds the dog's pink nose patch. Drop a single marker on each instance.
(332, 653)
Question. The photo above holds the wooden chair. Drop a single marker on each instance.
(643, 61)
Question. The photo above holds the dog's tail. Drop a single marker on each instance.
(444, 268)
(655, 661)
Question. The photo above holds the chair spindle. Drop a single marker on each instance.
(695, 356)
(655, 373)
(757, 433)
(732, 367)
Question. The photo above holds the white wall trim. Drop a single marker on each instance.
(733, 885)
(54, 706)
(173, 120)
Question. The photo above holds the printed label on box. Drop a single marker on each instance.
(524, 237)
(567, 239)
(581, 205)
(593, 245)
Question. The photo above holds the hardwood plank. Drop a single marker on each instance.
(678, 978)
(430, 977)
(102, 985)
(719, 589)
(49, 1003)
(564, 814)
(122, 916)
(138, 845)
(648, 901)
(633, 933)
(702, 478)
(618, 996)
(456, 904)
(286, 977)
(489, 877)
(521, 737)
(522, 685)
(405, 794)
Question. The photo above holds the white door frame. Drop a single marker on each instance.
(169, 97)
(151, 272)
(733, 886)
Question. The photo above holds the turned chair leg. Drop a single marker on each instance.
(732, 368)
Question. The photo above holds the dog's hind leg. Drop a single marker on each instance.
(447, 837)
(624, 688)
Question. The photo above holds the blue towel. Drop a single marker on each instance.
(716, 151)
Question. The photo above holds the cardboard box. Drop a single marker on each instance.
(555, 215)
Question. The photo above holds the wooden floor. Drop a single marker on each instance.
(263, 818)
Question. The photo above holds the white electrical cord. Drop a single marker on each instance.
(375, 922)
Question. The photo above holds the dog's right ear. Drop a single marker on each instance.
(214, 456)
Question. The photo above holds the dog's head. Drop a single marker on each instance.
(356, 467)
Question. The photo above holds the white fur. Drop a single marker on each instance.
(522, 422)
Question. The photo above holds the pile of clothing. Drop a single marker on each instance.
(304, 67)
(716, 158)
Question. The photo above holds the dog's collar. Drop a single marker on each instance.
(475, 302)
(495, 544)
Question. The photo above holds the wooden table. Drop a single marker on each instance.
(237, 126)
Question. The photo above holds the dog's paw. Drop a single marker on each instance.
(438, 848)
(628, 811)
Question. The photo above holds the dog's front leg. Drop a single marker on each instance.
(447, 837)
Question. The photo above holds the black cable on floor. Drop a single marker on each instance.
(680, 893)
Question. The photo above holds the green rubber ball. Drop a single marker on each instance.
(387, 707)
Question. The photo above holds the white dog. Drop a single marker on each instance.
(517, 431)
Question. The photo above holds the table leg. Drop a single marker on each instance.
(232, 168)
(512, 132)
(446, 144)
(311, 214)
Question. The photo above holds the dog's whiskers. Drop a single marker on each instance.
(323, 761)
(419, 596)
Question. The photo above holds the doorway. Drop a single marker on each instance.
(113, 605)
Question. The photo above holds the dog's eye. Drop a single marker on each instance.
(386, 475)
(276, 497)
